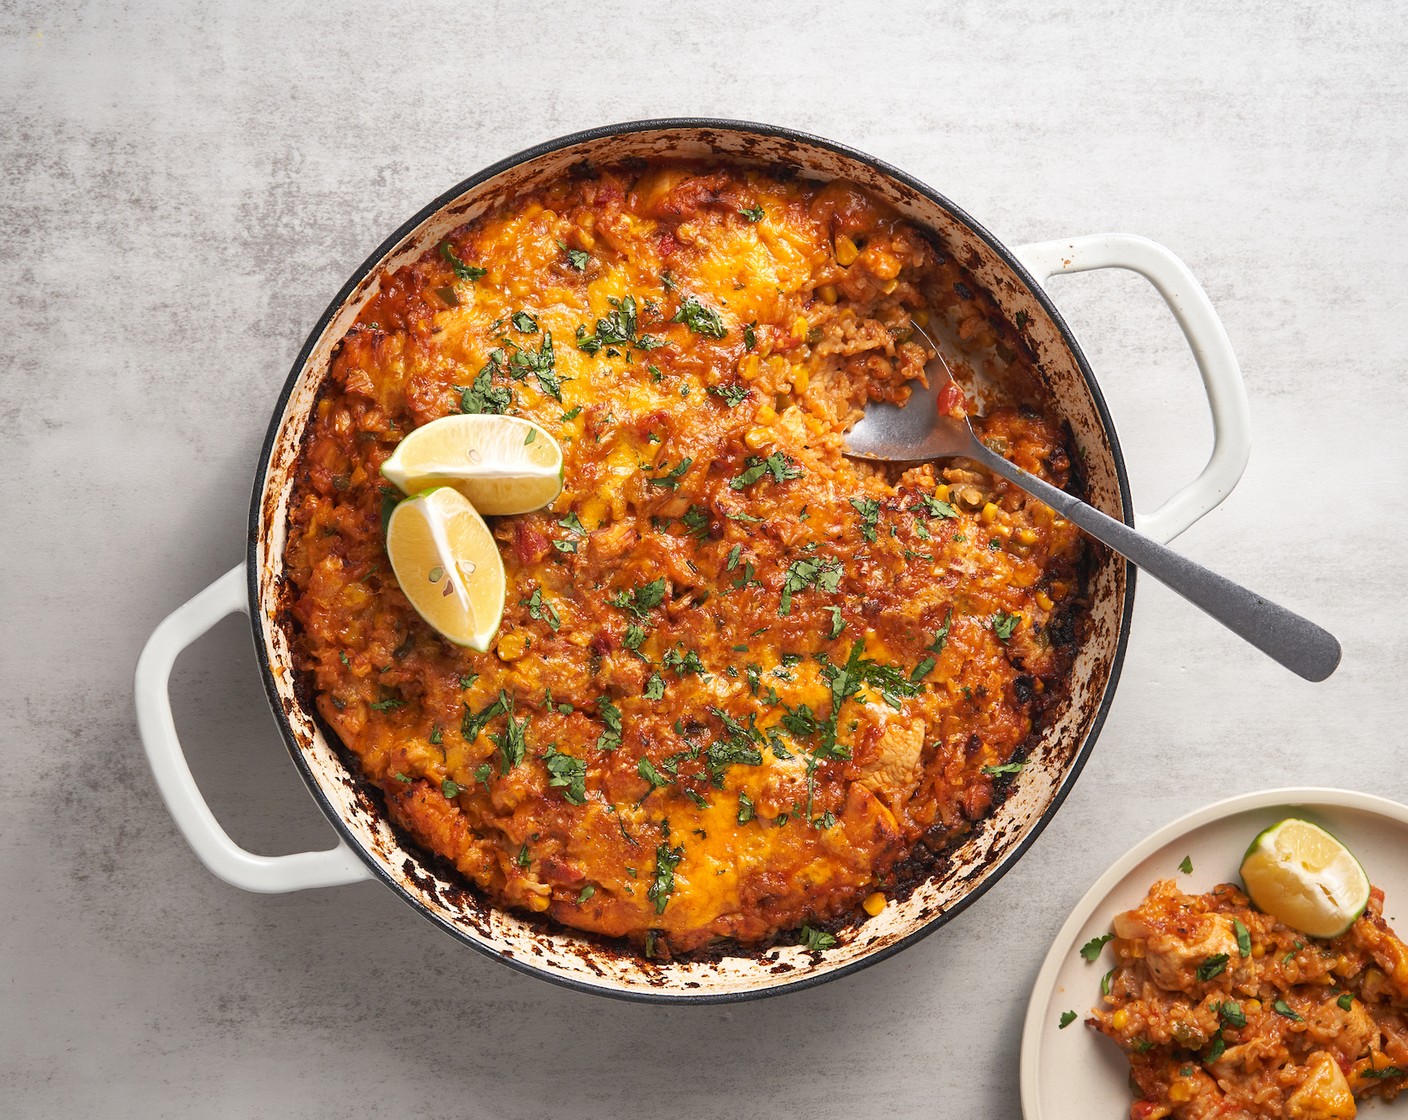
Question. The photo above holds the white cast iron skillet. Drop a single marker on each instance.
(369, 847)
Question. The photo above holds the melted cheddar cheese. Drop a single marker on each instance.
(742, 682)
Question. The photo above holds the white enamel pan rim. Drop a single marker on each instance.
(350, 861)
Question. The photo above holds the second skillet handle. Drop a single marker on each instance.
(1212, 349)
(1297, 643)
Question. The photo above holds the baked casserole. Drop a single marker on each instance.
(743, 686)
(1224, 1011)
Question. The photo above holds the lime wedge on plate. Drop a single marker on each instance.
(502, 464)
(1299, 873)
(448, 565)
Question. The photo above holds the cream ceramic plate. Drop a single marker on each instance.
(1076, 1074)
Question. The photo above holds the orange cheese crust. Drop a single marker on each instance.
(1296, 1026)
(740, 679)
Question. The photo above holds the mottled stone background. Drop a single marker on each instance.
(182, 188)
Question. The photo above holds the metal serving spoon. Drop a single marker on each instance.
(918, 432)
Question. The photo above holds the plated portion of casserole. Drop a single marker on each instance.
(1225, 1011)
(743, 685)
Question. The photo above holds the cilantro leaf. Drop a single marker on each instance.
(663, 885)
(462, 271)
(815, 939)
(818, 571)
(753, 213)
(1091, 949)
(1067, 1018)
(577, 258)
(610, 714)
(1215, 965)
(566, 773)
(1004, 625)
(640, 601)
(699, 318)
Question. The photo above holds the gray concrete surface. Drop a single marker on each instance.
(183, 187)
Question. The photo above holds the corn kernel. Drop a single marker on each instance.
(1043, 600)
(1258, 951)
(889, 286)
(828, 293)
(766, 413)
(757, 438)
(846, 251)
(1024, 576)
(799, 327)
(748, 367)
(1180, 1092)
(989, 514)
(941, 492)
(512, 646)
(921, 317)
(539, 902)
(1120, 1019)
(800, 379)
(1026, 536)
(874, 904)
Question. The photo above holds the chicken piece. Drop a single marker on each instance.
(1324, 1094)
(1177, 939)
(894, 773)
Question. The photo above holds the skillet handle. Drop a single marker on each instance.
(225, 858)
(1212, 349)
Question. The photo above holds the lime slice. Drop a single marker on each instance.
(448, 565)
(1299, 873)
(502, 464)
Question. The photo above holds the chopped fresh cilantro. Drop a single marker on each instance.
(671, 479)
(1231, 1013)
(753, 213)
(451, 789)
(777, 464)
(462, 271)
(1067, 1018)
(699, 318)
(400, 777)
(524, 859)
(640, 601)
(539, 608)
(1215, 965)
(936, 508)
(646, 769)
(1105, 982)
(815, 939)
(837, 623)
(577, 258)
(696, 522)
(869, 510)
(1186, 866)
(482, 772)
(388, 704)
(746, 809)
(1091, 949)
(587, 892)
(610, 714)
(436, 736)
(511, 741)
(731, 394)
(1004, 625)
(1346, 1001)
(567, 774)
(524, 323)
(663, 885)
(655, 687)
(750, 335)
(1244, 938)
(1286, 1011)
(1005, 768)
(824, 572)
(483, 395)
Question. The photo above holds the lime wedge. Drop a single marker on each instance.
(502, 464)
(448, 565)
(1299, 873)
